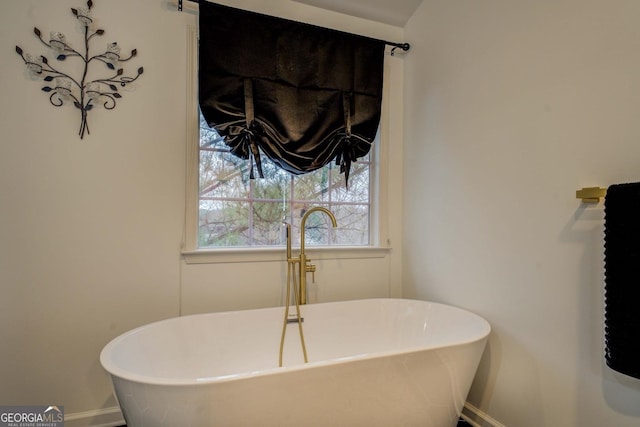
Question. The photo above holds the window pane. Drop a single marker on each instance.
(223, 175)
(276, 185)
(358, 190)
(313, 186)
(353, 224)
(267, 223)
(223, 223)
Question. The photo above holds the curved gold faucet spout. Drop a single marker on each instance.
(304, 265)
(304, 220)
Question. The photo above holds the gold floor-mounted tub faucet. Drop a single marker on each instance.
(304, 263)
(301, 269)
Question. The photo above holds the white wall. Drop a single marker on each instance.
(91, 231)
(510, 107)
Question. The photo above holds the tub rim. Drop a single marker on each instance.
(116, 371)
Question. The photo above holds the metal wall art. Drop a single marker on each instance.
(83, 92)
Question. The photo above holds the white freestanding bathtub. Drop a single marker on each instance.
(376, 362)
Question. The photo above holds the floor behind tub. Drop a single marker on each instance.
(461, 423)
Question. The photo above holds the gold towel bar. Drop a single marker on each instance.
(591, 194)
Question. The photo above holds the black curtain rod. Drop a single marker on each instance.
(404, 46)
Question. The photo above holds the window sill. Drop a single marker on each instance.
(271, 254)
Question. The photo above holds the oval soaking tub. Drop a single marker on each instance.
(372, 362)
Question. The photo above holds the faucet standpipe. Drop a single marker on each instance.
(304, 267)
(304, 263)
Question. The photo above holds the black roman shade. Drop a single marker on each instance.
(301, 94)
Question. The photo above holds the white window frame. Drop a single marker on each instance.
(192, 254)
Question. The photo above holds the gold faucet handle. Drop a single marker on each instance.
(312, 269)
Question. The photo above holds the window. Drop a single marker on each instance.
(235, 211)
(205, 198)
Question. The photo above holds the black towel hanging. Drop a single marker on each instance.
(622, 278)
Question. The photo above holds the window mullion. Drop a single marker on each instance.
(251, 218)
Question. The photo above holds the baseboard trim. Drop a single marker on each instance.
(112, 417)
(109, 417)
(478, 418)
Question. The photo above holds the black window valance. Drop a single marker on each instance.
(301, 94)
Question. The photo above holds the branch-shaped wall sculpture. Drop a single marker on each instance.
(84, 93)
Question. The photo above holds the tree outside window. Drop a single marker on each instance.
(236, 211)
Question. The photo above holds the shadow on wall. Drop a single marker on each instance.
(626, 402)
(483, 385)
(516, 370)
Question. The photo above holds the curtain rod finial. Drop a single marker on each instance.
(404, 46)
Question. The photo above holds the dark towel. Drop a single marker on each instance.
(622, 278)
